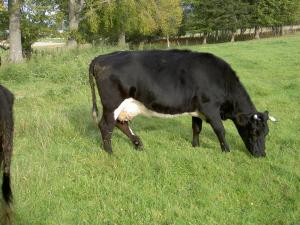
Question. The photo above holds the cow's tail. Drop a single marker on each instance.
(6, 211)
(92, 83)
(6, 190)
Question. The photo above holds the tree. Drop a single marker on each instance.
(122, 19)
(15, 54)
(75, 7)
(234, 16)
(262, 14)
(205, 14)
(117, 20)
(285, 13)
(224, 16)
(4, 21)
(130, 20)
(168, 17)
(39, 18)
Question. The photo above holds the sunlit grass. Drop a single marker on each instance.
(62, 176)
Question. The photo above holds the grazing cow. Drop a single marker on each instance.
(169, 83)
(6, 140)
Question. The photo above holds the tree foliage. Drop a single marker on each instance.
(168, 16)
(229, 15)
(39, 19)
(4, 21)
(136, 18)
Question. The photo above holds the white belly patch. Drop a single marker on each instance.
(130, 108)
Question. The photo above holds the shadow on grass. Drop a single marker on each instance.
(81, 119)
(179, 128)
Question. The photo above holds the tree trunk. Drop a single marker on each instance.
(217, 35)
(75, 7)
(256, 32)
(281, 31)
(73, 23)
(141, 45)
(73, 19)
(168, 41)
(204, 42)
(122, 39)
(15, 53)
(292, 30)
(273, 30)
(243, 30)
(232, 37)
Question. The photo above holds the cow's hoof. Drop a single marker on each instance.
(225, 150)
(225, 147)
(138, 145)
(195, 144)
(108, 151)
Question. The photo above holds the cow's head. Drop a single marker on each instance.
(253, 128)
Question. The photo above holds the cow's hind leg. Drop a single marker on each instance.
(214, 119)
(106, 126)
(197, 127)
(124, 127)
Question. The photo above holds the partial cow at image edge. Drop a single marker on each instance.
(6, 148)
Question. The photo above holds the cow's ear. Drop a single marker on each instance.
(266, 115)
(242, 119)
(269, 117)
(261, 116)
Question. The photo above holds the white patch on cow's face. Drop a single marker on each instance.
(256, 117)
(130, 108)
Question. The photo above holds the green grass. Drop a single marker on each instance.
(61, 175)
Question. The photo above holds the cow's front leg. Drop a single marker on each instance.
(124, 127)
(197, 127)
(106, 126)
(215, 121)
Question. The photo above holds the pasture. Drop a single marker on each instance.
(60, 175)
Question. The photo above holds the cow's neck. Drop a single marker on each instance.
(242, 102)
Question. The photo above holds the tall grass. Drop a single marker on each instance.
(56, 65)
(62, 176)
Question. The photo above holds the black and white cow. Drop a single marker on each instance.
(6, 144)
(170, 83)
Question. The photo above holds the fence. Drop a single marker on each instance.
(225, 36)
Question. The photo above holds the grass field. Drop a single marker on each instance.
(62, 176)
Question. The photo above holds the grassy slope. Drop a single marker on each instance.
(60, 176)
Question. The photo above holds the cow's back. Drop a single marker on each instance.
(162, 67)
(172, 79)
